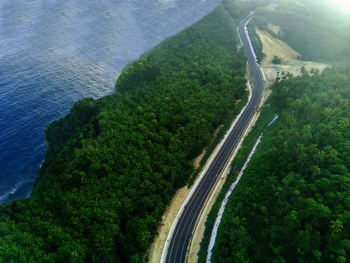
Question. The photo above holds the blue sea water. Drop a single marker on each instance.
(56, 52)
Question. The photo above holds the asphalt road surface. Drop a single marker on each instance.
(181, 238)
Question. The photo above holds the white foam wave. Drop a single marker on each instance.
(6, 197)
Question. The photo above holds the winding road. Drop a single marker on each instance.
(182, 235)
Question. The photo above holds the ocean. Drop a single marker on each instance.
(56, 52)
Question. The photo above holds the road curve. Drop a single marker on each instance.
(184, 229)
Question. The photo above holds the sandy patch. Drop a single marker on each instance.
(275, 47)
(198, 159)
(156, 249)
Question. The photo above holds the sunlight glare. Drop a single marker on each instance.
(343, 4)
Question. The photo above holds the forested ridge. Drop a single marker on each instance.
(114, 164)
(293, 201)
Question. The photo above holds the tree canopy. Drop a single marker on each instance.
(114, 164)
(293, 202)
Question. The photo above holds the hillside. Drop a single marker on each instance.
(292, 203)
(114, 164)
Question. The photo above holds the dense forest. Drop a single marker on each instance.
(114, 164)
(293, 202)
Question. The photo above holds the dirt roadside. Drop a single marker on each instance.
(271, 47)
(156, 249)
(275, 47)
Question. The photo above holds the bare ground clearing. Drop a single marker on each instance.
(275, 47)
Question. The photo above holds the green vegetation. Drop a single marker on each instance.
(276, 60)
(114, 164)
(236, 9)
(224, 129)
(219, 136)
(256, 41)
(293, 202)
(313, 28)
(267, 115)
